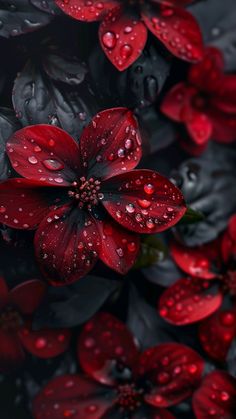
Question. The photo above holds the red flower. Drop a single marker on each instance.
(216, 397)
(206, 103)
(83, 199)
(16, 334)
(119, 379)
(199, 296)
(123, 30)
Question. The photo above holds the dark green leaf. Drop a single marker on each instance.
(191, 216)
(152, 250)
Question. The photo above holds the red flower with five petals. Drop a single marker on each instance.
(123, 30)
(120, 380)
(212, 275)
(216, 397)
(205, 104)
(83, 199)
(16, 334)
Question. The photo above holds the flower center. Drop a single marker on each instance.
(199, 102)
(10, 319)
(86, 192)
(129, 397)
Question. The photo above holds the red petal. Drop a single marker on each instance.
(177, 99)
(216, 334)
(188, 301)
(24, 203)
(122, 37)
(224, 125)
(111, 143)
(228, 245)
(11, 351)
(45, 343)
(45, 153)
(207, 74)
(195, 261)
(119, 247)
(19, 296)
(173, 371)
(85, 10)
(106, 347)
(143, 201)
(66, 244)
(72, 396)
(3, 292)
(200, 128)
(179, 3)
(216, 398)
(177, 29)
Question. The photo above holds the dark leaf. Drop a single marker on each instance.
(144, 322)
(191, 216)
(208, 185)
(20, 16)
(8, 125)
(75, 304)
(37, 100)
(65, 69)
(217, 21)
(164, 273)
(152, 250)
(231, 359)
(47, 6)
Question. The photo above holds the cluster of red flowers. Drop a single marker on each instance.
(85, 200)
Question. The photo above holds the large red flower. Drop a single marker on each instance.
(120, 380)
(206, 103)
(123, 30)
(216, 397)
(16, 334)
(83, 199)
(212, 275)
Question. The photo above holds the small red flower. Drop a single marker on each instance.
(212, 274)
(123, 30)
(16, 334)
(120, 380)
(83, 199)
(216, 397)
(206, 103)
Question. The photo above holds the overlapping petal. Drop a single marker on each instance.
(106, 349)
(143, 201)
(176, 28)
(216, 397)
(217, 332)
(44, 153)
(189, 300)
(122, 37)
(19, 296)
(72, 396)
(110, 144)
(24, 203)
(173, 370)
(88, 11)
(11, 351)
(119, 247)
(45, 343)
(66, 245)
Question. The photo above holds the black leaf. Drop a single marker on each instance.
(20, 16)
(64, 69)
(75, 304)
(8, 125)
(47, 6)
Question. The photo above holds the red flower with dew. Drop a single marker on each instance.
(124, 24)
(212, 275)
(206, 103)
(16, 334)
(216, 397)
(119, 379)
(85, 200)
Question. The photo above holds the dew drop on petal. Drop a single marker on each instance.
(32, 160)
(52, 164)
(149, 189)
(109, 40)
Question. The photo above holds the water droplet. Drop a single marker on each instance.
(149, 189)
(32, 160)
(109, 40)
(126, 51)
(130, 208)
(89, 343)
(150, 224)
(143, 203)
(40, 343)
(2, 209)
(120, 252)
(52, 164)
